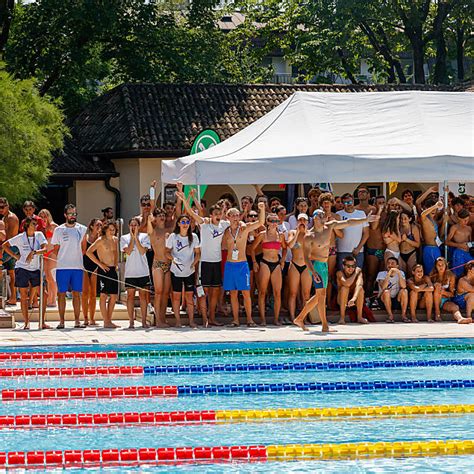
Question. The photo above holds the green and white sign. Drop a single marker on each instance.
(206, 139)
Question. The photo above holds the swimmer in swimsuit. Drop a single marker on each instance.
(316, 254)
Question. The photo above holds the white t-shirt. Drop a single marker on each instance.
(182, 253)
(211, 240)
(393, 283)
(70, 252)
(25, 245)
(136, 264)
(352, 235)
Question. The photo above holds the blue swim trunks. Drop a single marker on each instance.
(69, 280)
(236, 276)
(321, 268)
(430, 254)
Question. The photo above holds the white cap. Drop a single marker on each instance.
(302, 216)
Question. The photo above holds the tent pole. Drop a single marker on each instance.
(384, 190)
(199, 193)
(162, 195)
(445, 190)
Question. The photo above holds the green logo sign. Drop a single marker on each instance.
(206, 139)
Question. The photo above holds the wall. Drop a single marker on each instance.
(91, 197)
(129, 186)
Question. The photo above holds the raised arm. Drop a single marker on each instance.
(187, 207)
(427, 212)
(261, 219)
(422, 197)
(352, 222)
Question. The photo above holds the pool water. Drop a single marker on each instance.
(304, 431)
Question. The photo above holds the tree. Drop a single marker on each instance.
(31, 128)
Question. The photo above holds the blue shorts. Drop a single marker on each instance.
(460, 301)
(321, 268)
(430, 254)
(236, 276)
(69, 280)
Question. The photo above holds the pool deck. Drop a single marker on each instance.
(17, 337)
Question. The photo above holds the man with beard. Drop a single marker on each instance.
(67, 240)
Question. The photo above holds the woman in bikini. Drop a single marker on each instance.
(89, 285)
(298, 275)
(444, 282)
(391, 236)
(271, 265)
(410, 243)
(50, 258)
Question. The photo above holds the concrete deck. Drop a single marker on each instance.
(17, 337)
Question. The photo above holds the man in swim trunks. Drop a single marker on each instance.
(237, 271)
(12, 223)
(460, 239)
(429, 229)
(374, 250)
(316, 253)
(106, 259)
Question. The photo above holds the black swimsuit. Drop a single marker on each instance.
(271, 265)
(300, 268)
(89, 265)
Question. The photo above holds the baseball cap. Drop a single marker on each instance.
(302, 216)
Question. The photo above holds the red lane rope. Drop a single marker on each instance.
(86, 392)
(82, 420)
(124, 457)
(71, 371)
(56, 355)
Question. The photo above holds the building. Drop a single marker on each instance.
(120, 139)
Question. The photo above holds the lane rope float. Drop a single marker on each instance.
(81, 420)
(4, 356)
(143, 456)
(111, 370)
(224, 389)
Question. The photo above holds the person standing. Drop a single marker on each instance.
(460, 239)
(237, 271)
(30, 244)
(11, 223)
(212, 231)
(316, 253)
(107, 260)
(107, 214)
(430, 233)
(135, 245)
(183, 250)
(67, 240)
(363, 194)
(49, 257)
(89, 285)
(161, 265)
(355, 237)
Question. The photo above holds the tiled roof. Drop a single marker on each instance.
(70, 162)
(164, 119)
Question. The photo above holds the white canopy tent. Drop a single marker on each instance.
(344, 138)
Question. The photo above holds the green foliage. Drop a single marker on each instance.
(31, 128)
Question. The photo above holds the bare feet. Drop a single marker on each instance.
(414, 320)
(92, 323)
(430, 320)
(277, 322)
(162, 325)
(45, 326)
(193, 325)
(362, 321)
(301, 325)
(26, 327)
(215, 323)
(131, 326)
(110, 325)
(341, 321)
(325, 328)
(438, 318)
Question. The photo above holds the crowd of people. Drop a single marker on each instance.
(349, 253)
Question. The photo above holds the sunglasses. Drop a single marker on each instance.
(145, 204)
(3, 207)
(272, 221)
(72, 214)
(253, 216)
(184, 222)
(351, 266)
(347, 203)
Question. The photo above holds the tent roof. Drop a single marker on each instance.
(331, 137)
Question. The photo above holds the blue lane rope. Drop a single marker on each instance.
(322, 387)
(301, 366)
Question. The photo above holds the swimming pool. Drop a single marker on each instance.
(240, 395)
